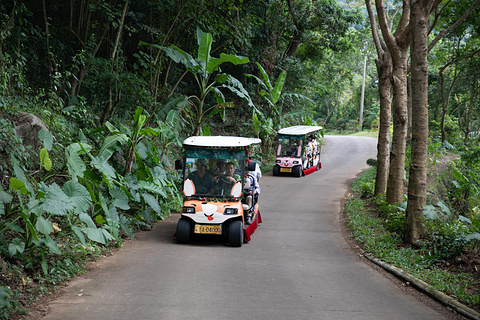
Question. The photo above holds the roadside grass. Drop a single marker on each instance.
(365, 133)
(370, 229)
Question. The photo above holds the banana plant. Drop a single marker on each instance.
(209, 77)
(270, 93)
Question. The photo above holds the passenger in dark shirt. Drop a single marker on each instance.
(202, 179)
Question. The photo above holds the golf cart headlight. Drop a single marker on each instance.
(278, 161)
(231, 211)
(188, 210)
(295, 162)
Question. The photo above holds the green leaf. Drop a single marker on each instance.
(16, 246)
(402, 206)
(47, 138)
(112, 128)
(44, 226)
(110, 145)
(79, 148)
(16, 184)
(473, 236)
(4, 196)
(152, 187)
(102, 165)
(75, 164)
(152, 202)
(98, 235)
(430, 212)
(204, 41)
(55, 200)
(214, 63)
(44, 265)
(19, 173)
(120, 199)
(103, 203)
(84, 217)
(458, 175)
(45, 159)
(142, 150)
(266, 78)
(5, 297)
(79, 195)
(31, 228)
(256, 123)
(444, 209)
(99, 220)
(148, 131)
(206, 131)
(180, 56)
(52, 245)
(79, 234)
(277, 91)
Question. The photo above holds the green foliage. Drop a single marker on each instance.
(8, 303)
(96, 204)
(203, 68)
(444, 241)
(10, 145)
(365, 185)
(462, 182)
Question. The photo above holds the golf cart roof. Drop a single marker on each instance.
(299, 130)
(219, 141)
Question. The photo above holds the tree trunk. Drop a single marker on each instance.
(417, 185)
(384, 68)
(396, 171)
(398, 47)
(109, 108)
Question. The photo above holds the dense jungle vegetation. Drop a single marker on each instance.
(119, 84)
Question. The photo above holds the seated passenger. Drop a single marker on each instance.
(220, 167)
(212, 165)
(254, 185)
(202, 179)
(226, 182)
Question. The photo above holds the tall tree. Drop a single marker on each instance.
(419, 30)
(383, 63)
(397, 44)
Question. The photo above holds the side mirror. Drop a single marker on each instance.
(251, 166)
(178, 165)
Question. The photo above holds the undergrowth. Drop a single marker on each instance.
(378, 227)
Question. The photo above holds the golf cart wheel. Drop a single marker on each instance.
(235, 234)
(297, 171)
(276, 170)
(184, 230)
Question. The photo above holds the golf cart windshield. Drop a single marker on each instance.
(214, 172)
(290, 146)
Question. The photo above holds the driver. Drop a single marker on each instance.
(227, 181)
(201, 178)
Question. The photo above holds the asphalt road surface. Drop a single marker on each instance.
(297, 266)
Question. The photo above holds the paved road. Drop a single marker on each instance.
(297, 266)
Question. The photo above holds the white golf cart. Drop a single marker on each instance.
(298, 150)
(218, 195)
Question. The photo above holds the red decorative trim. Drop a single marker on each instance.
(251, 228)
(309, 170)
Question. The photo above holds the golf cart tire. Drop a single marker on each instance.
(184, 231)
(236, 233)
(276, 170)
(297, 171)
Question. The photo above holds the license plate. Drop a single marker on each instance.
(285, 169)
(207, 229)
